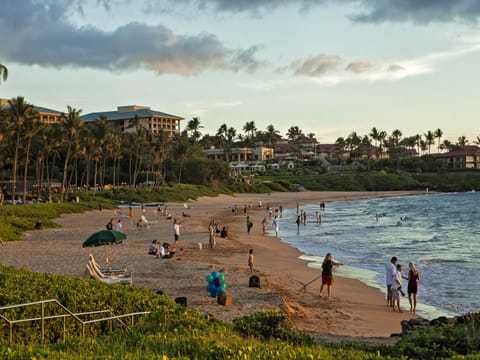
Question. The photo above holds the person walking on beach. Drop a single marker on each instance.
(250, 260)
(413, 277)
(264, 226)
(298, 221)
(118, 226)
(249, 225)
(390, 278)
(275, 226)
(176, 232)
(327, 274)
(110, 225)
(211, 233)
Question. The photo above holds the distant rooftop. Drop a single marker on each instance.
(128, 112)
(40, 109)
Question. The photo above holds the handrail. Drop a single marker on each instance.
(75, 316)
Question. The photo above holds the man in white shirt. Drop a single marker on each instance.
(391, 278)
(118, 225)
(176, 232)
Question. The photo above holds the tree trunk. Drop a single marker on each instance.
(27, 160)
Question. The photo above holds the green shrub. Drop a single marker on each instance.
(268, 325)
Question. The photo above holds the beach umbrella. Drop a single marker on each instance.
(105, 237)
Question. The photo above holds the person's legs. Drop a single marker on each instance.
(389, 296)
(329, 291)
(410, 301)
(414, 302)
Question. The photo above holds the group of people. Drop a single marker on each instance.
(163, 251)
(394, 279)
(118, 225)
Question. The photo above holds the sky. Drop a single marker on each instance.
(328, 67)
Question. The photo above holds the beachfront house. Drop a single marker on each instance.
(463, 157)
(125, 117)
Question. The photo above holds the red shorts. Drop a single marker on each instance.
(327, 280)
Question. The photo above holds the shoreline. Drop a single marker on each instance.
(356, 310)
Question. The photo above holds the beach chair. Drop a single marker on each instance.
(108, 271)
(97, 275)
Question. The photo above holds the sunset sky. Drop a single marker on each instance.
(329, 67)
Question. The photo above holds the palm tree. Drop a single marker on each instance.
(477, 141)
(193, 127)
(182, 148)
(429, 139)
(272, 135)
(250, 130)
(71, 125)
(20, 111)
(374, 134)
(438, 135)
(447, 145)
(418, 138)
(462, 141)
(51, 149)
(3, 73)
(294, 133)
(31, 128)
(382, 135)
(313, 141)
(226, 137)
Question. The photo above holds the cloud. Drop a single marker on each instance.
(35, 32)
(316, 65)
(234, 6)
(358, 67)
(418, 11)
(395, 68)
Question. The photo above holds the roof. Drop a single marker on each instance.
(466, 150)
(116, 115)
(44, 110)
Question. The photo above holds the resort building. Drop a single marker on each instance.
(463, 157)
(126, 116)
(45, 115)
(238, 155)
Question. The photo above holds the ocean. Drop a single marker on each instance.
(440, 233)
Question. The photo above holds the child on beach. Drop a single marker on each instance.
(397, 289)
(250, 260)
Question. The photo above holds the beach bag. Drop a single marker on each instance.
(181, 300)
(254, 281)
(224, 299)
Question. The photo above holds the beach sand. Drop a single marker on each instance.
(356, 311)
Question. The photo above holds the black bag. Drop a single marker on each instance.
(254, 281)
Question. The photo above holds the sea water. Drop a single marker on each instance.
(440, 233)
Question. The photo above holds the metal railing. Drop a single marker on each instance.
(110, 317)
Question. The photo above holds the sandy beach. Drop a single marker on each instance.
(355, 311)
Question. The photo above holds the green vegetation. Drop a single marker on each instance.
(173, 331)
(378, 181)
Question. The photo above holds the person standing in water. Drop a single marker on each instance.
(413, 277)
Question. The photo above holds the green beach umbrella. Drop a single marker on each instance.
(105, 237)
